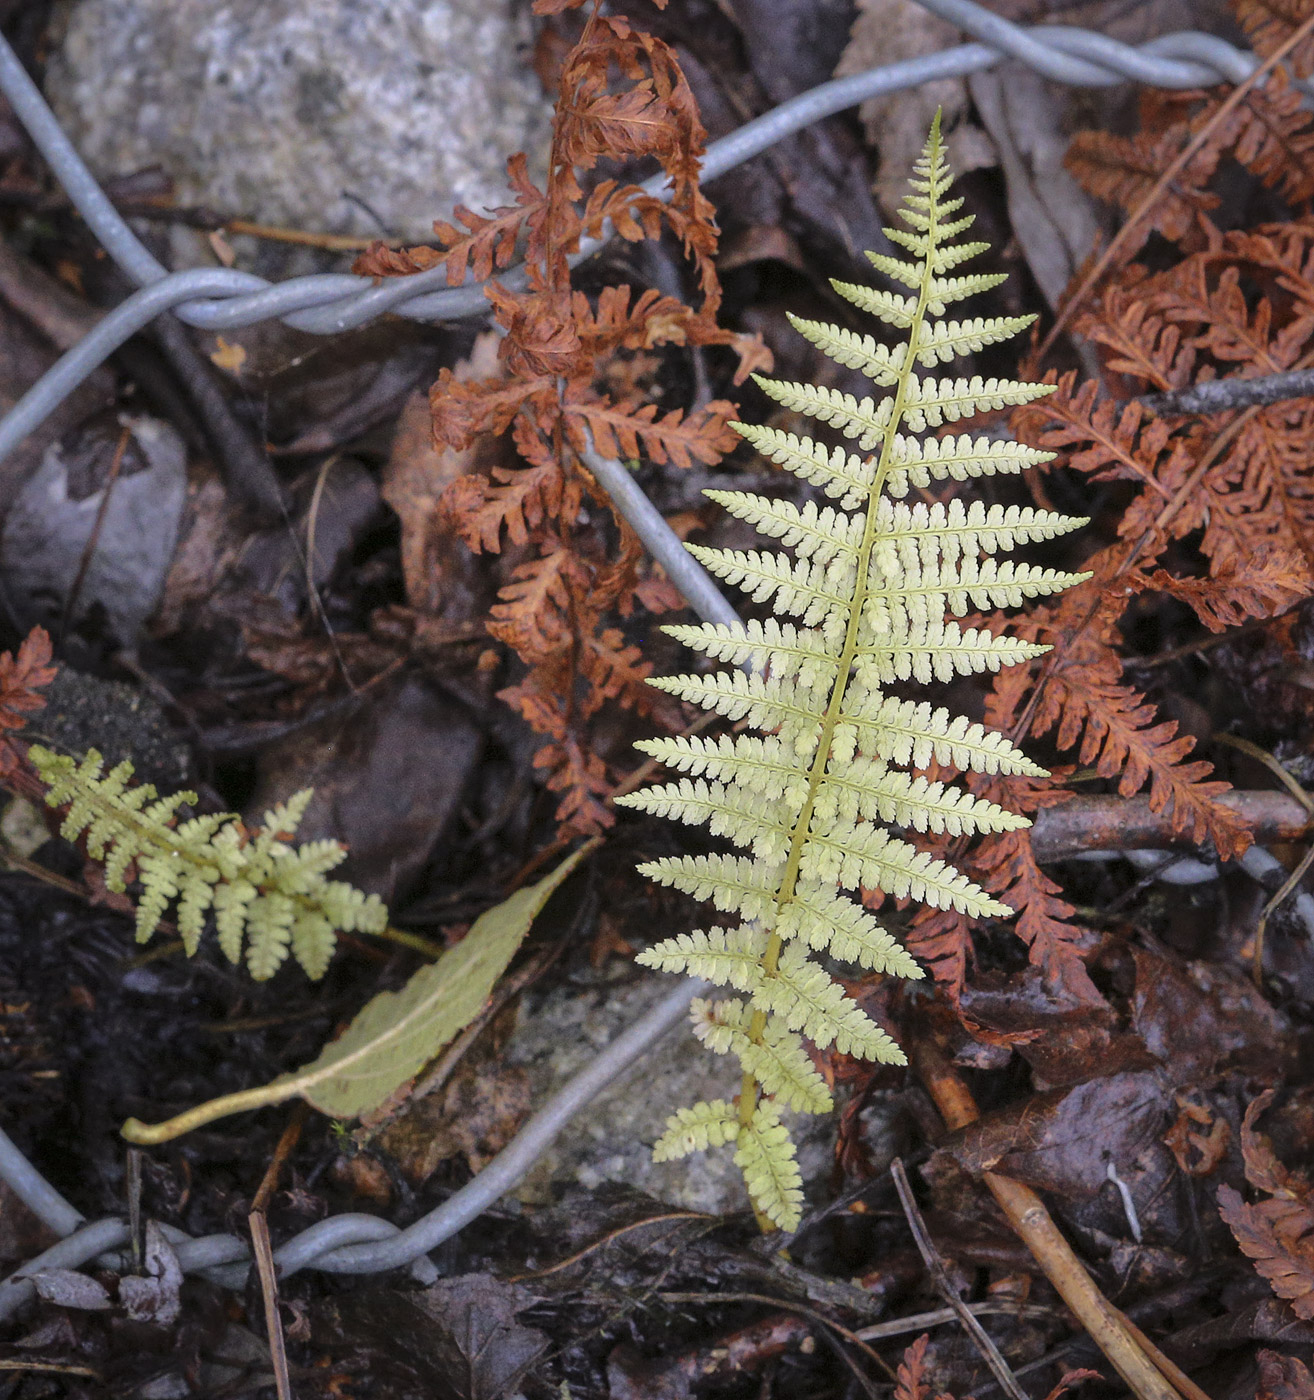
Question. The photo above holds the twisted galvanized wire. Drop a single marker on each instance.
(222, 298)
(352, 1243)
(217, 298)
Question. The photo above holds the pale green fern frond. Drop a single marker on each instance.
(914, 462)
(794, 655)
(728, 957)
(779, 1061)
(836, 471)
(809, 532)
(267, 897)
(955, 530)
(865, 600)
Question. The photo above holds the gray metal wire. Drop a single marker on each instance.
(684, 571)
(216, 299)
(221, 298)
(351, 1243)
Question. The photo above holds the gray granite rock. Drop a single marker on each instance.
(611, 1141)
(308, 113)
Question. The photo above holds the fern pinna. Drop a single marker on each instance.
(265, 894)
(867, 589)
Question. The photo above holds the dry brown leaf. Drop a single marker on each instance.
(435, 569)
(887, 31)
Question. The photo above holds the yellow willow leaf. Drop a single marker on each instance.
(397, 1033)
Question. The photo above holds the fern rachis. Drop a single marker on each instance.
(868, 588)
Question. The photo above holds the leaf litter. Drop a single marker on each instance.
(1127, 1063)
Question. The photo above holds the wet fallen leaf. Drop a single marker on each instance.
(390, 773)
(1065, 1140)
(486, 1351)
(474, 1117)
(1065, 1039)
(1053, 218)
(154, 1295)
(62, 518)
(1283, 1378)
(886, 31)
(67, 1288)
(1197, 1016)
(458, 1340)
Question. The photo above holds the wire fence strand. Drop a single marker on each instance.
(329, 303)
(326, 304)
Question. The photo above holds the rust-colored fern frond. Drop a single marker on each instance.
(564, 387)
(486, 243)
(1217, 512)
(1272, 134)
(1123, 171)
(1276, 1233)
(1269, 24)
(1115, 730)
(23, 676)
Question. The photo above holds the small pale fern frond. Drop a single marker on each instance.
(267, 897)
(867, 591)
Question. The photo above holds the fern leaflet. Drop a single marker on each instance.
(266, 896)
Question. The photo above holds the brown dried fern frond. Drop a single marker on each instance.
(1269, 24)
(24, 674)
(622, 97)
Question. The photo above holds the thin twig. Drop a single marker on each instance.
(242, 458)
(507, 989)
(1270, 762)
(132, 1174)
(786, 1305)
(1223, 395)
(89, 549)
(1109, 823)
(935, 1265)
(1288, 887)
(8, 856)
(308, 562)
(306, 238)
(1169, 1367)
(1292, 882)
(1199, 646)
(287, 1142)
(610, 1238)
(937, 1317)
(263, 1251)
(1134, 1361)
(49, 1368)
(264, 1262)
